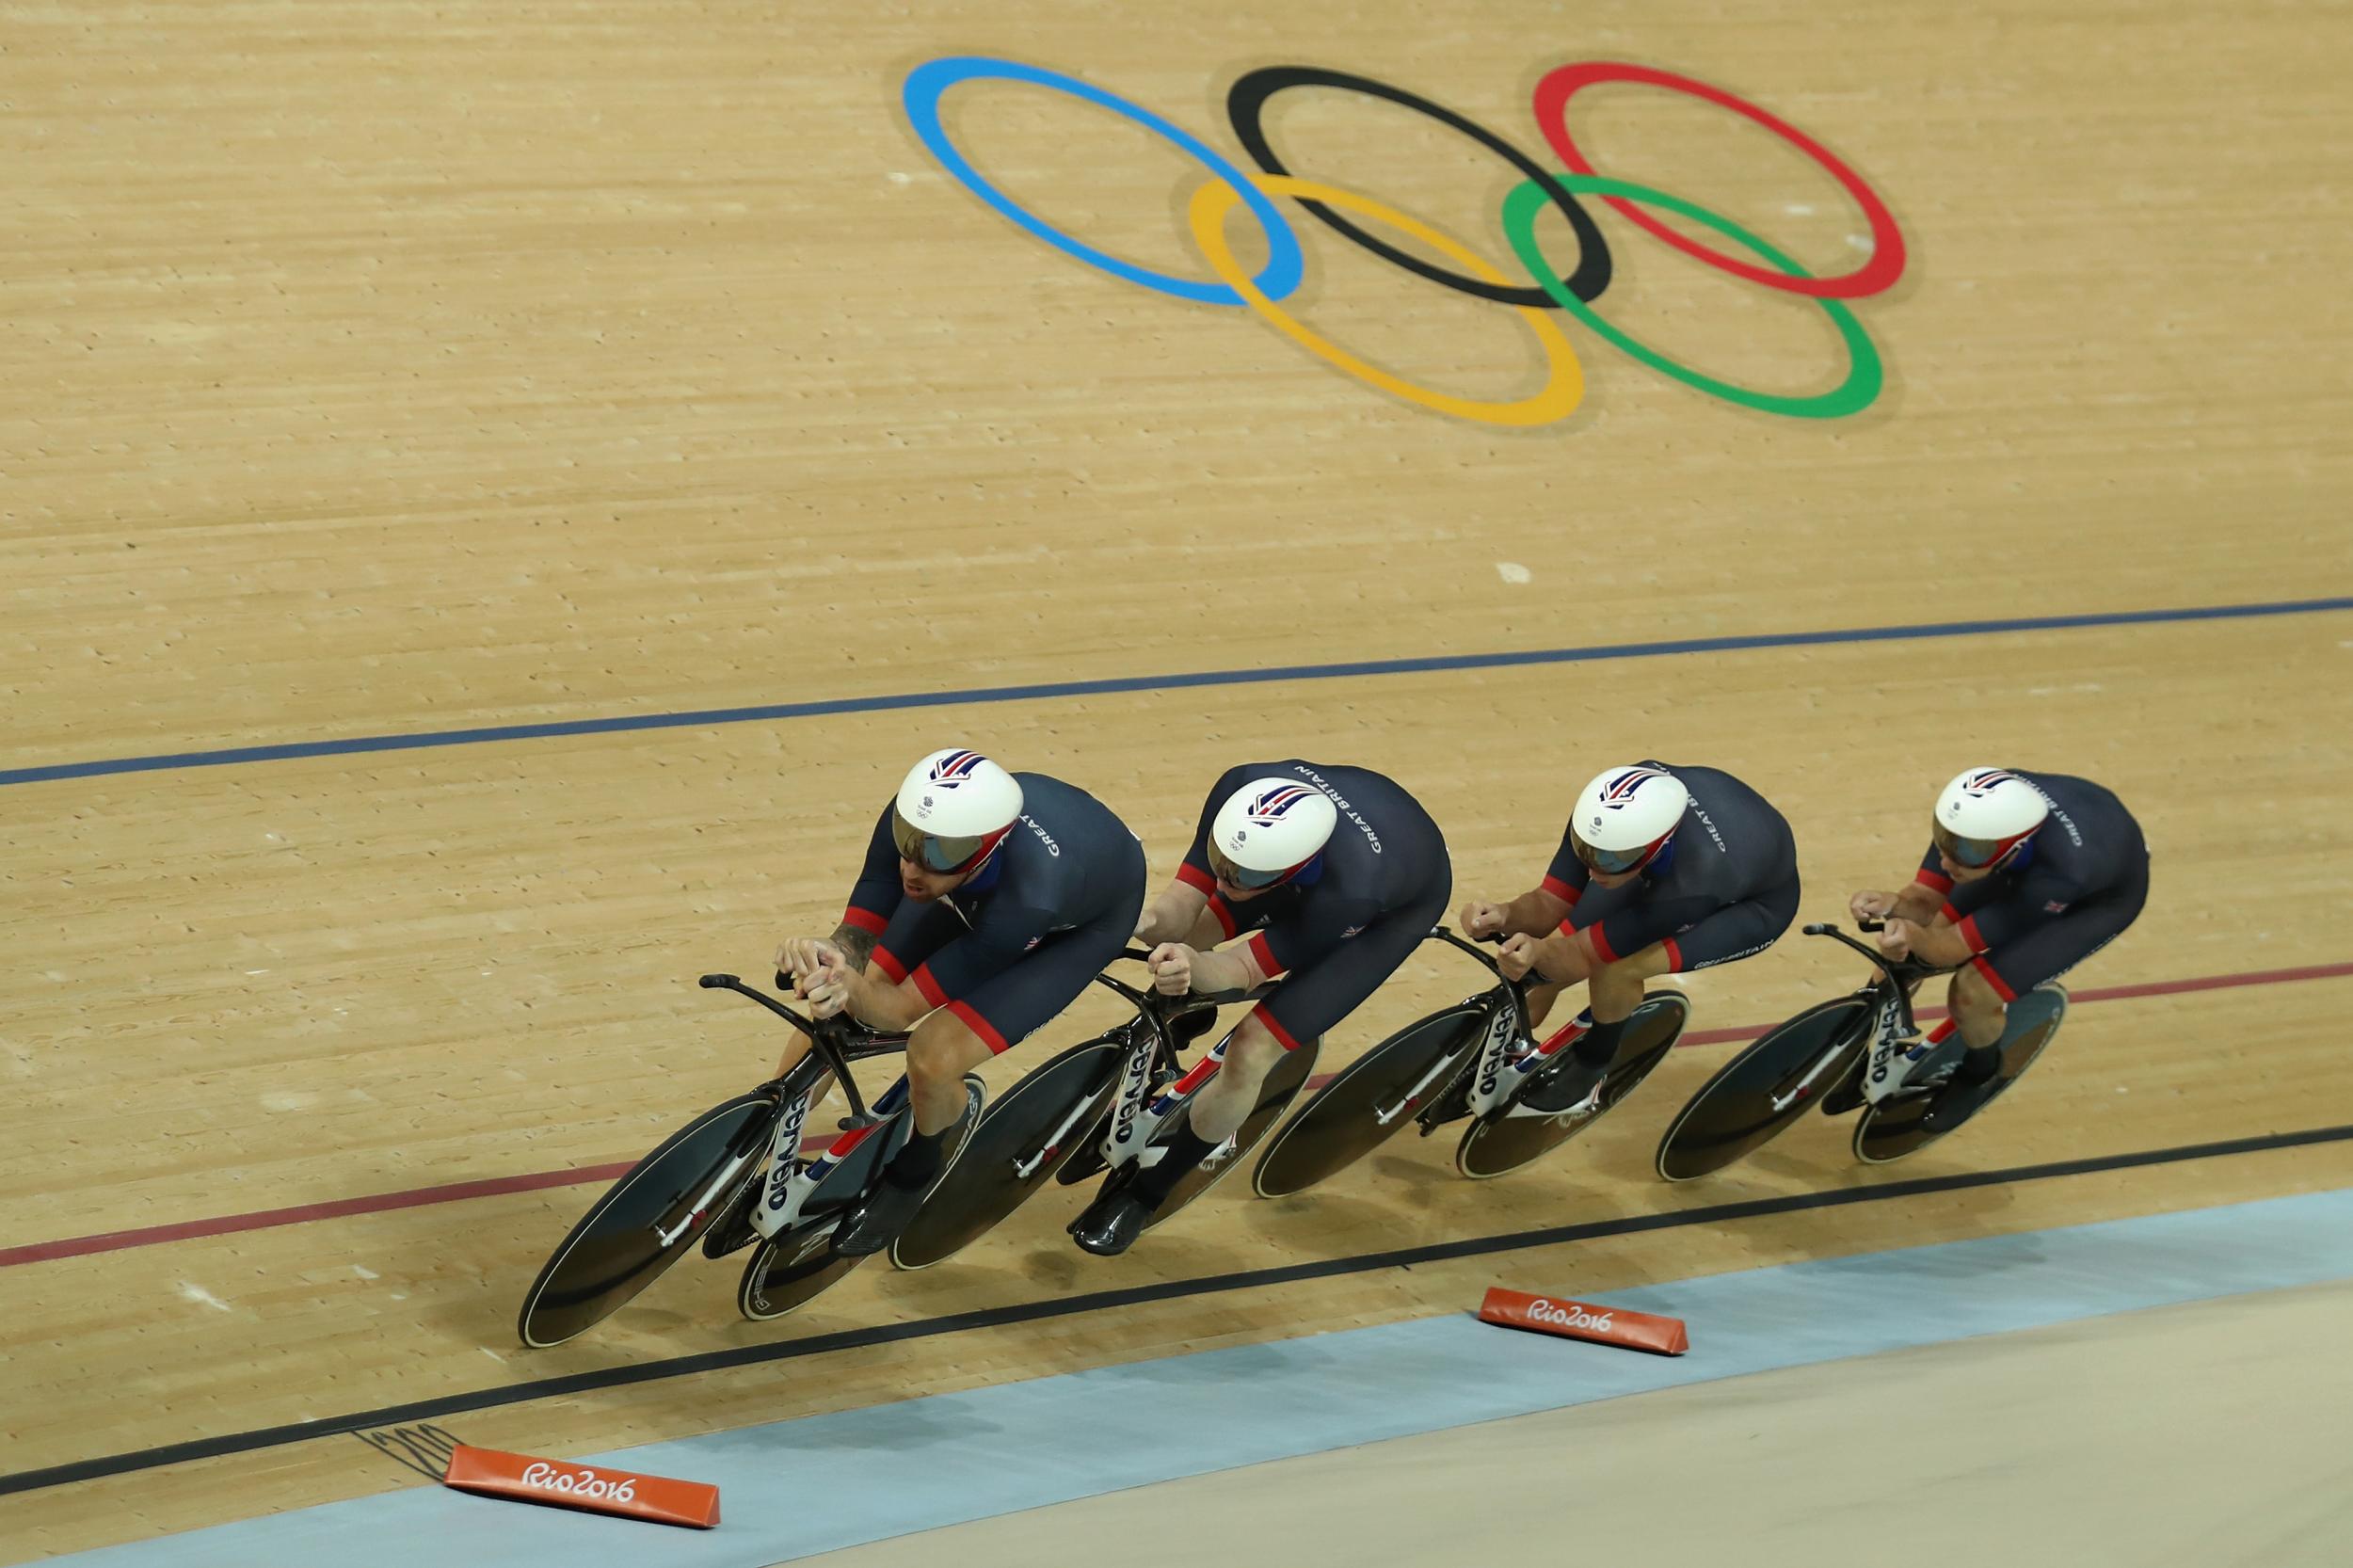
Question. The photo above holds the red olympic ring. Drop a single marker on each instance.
(1887, 242)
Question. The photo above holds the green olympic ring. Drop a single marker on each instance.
(1861, 385)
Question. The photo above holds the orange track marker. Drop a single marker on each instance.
(1603, 1325)
(569, 1484)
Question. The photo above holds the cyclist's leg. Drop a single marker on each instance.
(960, 1035)
(1981, 993)
(1307, 1005)
(1219, 1107)
(1309, 1001)
(916, 932)
(1615, 989)
(1736, 931)
(1008, 1007)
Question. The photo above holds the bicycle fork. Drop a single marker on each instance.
(1506, 1057)
(1805, 1087)
(1026, 1167)
(787, 1137)
(790, 1179)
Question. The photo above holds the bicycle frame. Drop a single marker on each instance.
(834, 1044)
(1507, 1052)
(1136, 1114)
(1894, 1048)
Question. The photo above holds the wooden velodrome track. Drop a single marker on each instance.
(375, 370)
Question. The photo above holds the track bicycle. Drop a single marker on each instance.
(735, 1174)
(1098, 1108)
(1474, 1059)
(1860, 1051)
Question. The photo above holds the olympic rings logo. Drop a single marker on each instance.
(1574, 293)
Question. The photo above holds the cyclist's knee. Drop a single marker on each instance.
(943, 1046)
(1971, 995)
(1254, 1050)
(1622, 981)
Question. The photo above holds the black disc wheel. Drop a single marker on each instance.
(1022, 1139)
(616, 1249)
(1892, 1130)
(1282, 1086)
(1366, 1102)
(1500, 1141)
(1771, 1082)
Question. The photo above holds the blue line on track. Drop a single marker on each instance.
(622, 724)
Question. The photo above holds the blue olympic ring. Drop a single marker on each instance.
(1285, 263)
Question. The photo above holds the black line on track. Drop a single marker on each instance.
(998, 1317)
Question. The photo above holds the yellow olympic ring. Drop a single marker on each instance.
(1561, 394)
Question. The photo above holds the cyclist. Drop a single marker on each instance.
(1663, 870)
(1335, 874)
(2026, 875)
(987, 903)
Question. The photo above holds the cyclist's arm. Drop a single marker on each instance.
(1545, 907)
(1922, 901)
(1180, 915)
(856, 944)
(1942, 944)
(1233, 969)
(1921, 904)
(1535, 913)
(1539, 911)
(879, 1004)
(1007, 932)
(1984, 913)
(873, 897)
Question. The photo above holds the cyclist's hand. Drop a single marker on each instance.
(1482, 919)
(1896, 937)
(827, 990)
(803, 957)
(1172, 969)
(1871, 906)
(1517, 958)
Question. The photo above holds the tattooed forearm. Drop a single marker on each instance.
(857, 943)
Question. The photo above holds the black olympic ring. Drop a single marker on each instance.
(1245, 105)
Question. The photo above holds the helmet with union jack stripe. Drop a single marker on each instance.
(1985, 816)
(1625, 817)
(955, 807)
(1268, 830)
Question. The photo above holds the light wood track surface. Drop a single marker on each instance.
(375, 369)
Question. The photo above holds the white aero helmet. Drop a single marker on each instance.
(955, 807)
(1626, 816)
(1985, 814)
(1268, 830)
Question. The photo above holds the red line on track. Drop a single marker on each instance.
(420, 1197)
